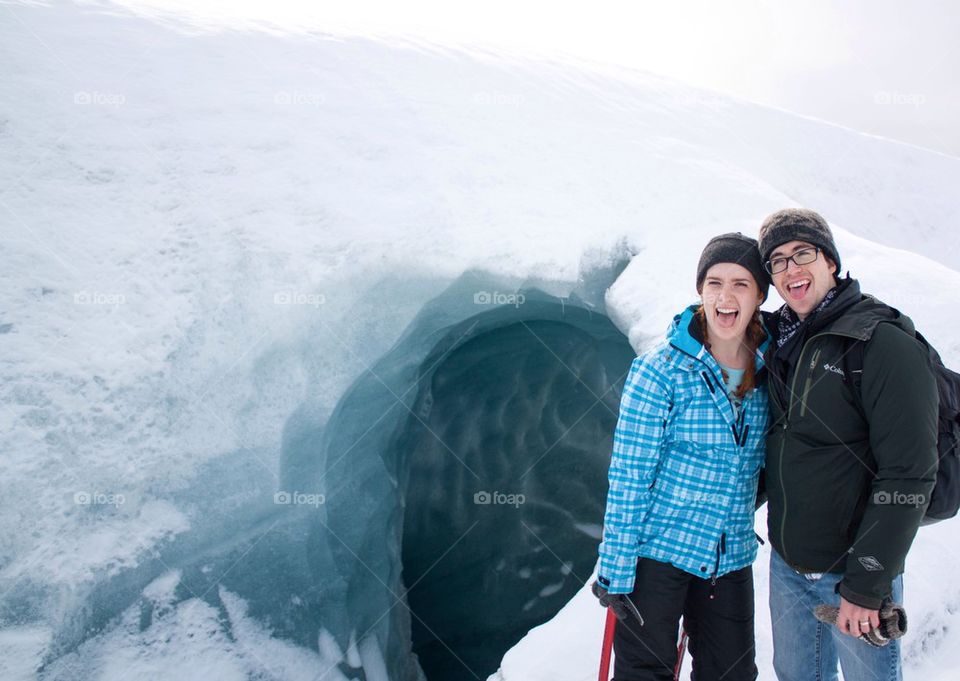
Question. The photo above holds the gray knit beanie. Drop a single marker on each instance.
(736, 248)
(797, 224)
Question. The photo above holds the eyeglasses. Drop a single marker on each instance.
(804, 256)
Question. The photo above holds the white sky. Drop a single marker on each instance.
(888, 67)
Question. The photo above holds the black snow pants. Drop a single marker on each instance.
(719, 629)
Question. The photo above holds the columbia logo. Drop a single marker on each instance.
(836, 370)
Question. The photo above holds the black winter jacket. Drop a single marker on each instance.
(848, 479)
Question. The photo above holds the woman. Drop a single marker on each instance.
(678, 537)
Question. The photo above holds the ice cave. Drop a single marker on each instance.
(311, 346)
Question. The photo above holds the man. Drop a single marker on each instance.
(851, 461)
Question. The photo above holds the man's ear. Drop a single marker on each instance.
(833, 265)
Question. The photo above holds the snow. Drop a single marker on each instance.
(190, 640)
(209, 233)
(568, 646)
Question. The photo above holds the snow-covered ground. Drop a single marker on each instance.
(195, 221)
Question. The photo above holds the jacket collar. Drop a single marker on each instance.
(853, 313)
(684, 334)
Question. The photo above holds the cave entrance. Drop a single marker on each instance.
(506, 454)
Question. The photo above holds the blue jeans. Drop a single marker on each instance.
(805, 649)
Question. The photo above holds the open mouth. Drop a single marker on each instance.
(798, 289)
(727, 317)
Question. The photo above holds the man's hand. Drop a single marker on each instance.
(621, 604)
(893, 621)
(854, 620)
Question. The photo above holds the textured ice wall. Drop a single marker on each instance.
(451, 501)
(478, 448)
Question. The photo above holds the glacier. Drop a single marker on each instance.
(312, 344)
(447, 478)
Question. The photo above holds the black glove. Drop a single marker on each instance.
(621, 604)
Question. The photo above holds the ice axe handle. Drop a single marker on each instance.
(608, 628)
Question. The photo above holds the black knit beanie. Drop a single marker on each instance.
(797, 224)
(736, 248)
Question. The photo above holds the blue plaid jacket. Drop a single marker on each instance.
(684, 470)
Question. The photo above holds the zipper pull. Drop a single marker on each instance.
(716, 567)
(759, 538)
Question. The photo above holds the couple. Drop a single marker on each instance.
(732, 391)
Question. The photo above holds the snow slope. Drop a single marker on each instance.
(194, 222)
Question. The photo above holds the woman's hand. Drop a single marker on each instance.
(621, 604)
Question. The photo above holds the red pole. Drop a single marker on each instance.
(607, 645)
(681, 649)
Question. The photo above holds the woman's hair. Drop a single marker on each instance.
(754, 336)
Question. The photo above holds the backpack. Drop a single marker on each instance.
(945, 499)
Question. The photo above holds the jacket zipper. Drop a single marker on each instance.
(707, 376)
(783, 443)
(721, 547)
(738, 429)
(740, 438)
(786, 423)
